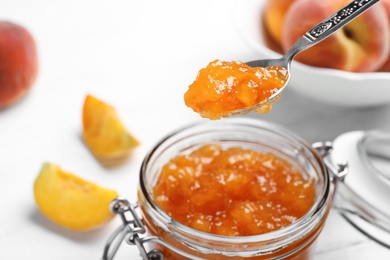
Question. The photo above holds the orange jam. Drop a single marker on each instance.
(226, 88)
(233, 191)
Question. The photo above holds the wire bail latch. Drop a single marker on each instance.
(130, 231)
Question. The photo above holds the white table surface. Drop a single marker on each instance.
(139, 56)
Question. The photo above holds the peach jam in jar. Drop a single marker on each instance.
(232, 189)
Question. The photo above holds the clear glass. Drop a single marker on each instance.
(295, 241)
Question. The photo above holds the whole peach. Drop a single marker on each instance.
(18, 62)
(363, 45)
(386, 5)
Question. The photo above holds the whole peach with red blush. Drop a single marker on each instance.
(362, 45)
(18, 62)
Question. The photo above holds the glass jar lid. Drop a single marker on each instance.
(363, 196)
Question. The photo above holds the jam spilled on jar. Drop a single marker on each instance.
(222, 89)
(233, 191)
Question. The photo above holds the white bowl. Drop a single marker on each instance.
(326, 85)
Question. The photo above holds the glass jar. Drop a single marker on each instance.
(159, 236)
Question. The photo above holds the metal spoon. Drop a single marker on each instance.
(315, 35)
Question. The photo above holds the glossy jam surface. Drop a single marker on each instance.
(222, 89)
(233, 191)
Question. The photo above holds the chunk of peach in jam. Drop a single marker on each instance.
(233, 191)
(222, 89)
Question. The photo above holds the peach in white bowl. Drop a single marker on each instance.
(357, 80)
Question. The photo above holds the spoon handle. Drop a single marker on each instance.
(328, 26)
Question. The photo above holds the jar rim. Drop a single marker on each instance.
(316, 209)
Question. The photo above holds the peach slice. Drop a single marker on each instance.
(104, 134)
(386, 5)
(70, 201)
(274, 13)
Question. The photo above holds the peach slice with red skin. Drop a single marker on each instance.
(386, 4)
(274, 13)
(104, 133)
(71, 201)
